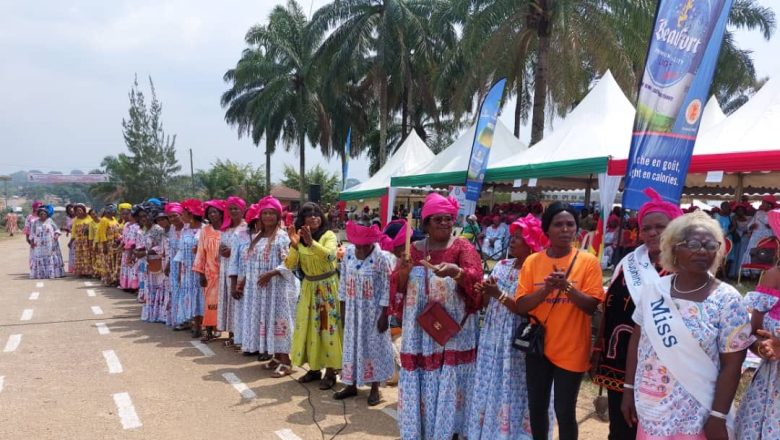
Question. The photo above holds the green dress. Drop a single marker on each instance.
(317, 338)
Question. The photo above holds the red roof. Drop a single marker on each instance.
(282, 192)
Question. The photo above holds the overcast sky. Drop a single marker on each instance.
(66, 68)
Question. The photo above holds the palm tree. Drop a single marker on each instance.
(276, 85)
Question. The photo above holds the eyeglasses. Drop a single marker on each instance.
(442, 219)
(696, 245)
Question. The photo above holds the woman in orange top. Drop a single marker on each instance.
(207, 265)
(561, 287)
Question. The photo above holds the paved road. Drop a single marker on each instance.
(77, 363)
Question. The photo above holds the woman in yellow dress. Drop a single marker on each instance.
(79, 234)
(109, 232)
(317, 337)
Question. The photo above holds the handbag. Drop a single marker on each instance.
(529, 336)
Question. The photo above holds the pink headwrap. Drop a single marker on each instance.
(657, 204)
(270, 202)
(252, 213)
(36, 204)
(194, 207)
(437, 204)
(531, 231)
(362, 235)
(219, 205)
(232, 200)
(774, 221)
(173, 208)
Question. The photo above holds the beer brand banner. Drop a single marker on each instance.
(66, 178)
(678, 72)
(483, 140)
(345, 168)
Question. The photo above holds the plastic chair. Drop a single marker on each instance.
(764, 243)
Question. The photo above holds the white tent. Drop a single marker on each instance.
(409, 155)
(599, 127)
(449, 166)
(712, 115)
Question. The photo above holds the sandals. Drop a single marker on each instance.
(196, 332)
(345, 393)
(310, 376)
(262, 357)
(327, 382)
(272, 364)
(282, 370)
(374, 400)
(210, 335)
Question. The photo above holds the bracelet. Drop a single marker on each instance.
(566, 289)
(628, 386)
(457, 277)
(718, 414)
(502, 297)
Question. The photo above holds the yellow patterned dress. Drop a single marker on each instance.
(108, 234)
(82, 246)
(317, 338)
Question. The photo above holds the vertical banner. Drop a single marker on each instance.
(345, 168)
(483, 140)
(680, 63)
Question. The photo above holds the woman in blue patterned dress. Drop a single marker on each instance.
(172, 269)
(364, 292)
(189, 295)
(232, 223)
(45, 254)
(237, 267)
(152, 250)
(499, 403)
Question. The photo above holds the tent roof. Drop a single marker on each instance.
(409, 155)
(449, 166)
(599, 127)
(712, 115)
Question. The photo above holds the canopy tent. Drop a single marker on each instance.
(599, 127)
(712, 115)
(449, 166)
(745, 146)
(409, 155)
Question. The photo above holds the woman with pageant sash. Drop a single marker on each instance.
(758, 417)
(638, 268)
(436, 381)
(690, 338)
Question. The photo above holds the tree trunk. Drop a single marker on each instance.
(404, 113)
(382, 120)
(518, 106)
(302, 152)
(268, 143)
(540, 82)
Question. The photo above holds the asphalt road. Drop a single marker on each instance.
(77, 363)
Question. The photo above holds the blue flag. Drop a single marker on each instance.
(345, 168)
(680, 64)
(483, 140)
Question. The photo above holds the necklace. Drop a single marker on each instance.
(674, 284)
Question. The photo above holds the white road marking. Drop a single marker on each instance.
(286, 434)
(205, 350)
(2, 379)
(13, 343)
(126, 410)
(90, 292)
(27, 315)
(34, 296)
(88, 283)
(102, 328)
(39, 284)
(97, 310)
(241, 387)
(114, 366)
(390, 412)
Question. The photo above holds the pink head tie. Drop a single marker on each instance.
(531, 231)
(36, 204)
(657, 204)
(194, 207)
(774, 221)
(231, 201)
(173, 208)
(437, 204)
(270, 202)
(389, 244)
(363, 235)
(219, 205)
(252, 213)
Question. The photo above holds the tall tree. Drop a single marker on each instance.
(151, 159)
(226, 178)
(330, 184)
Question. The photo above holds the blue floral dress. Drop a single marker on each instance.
(226, 305)
(721, 324)
(758, 417)
(237, 268)
(499, 402)
(157, 297)
(364, 287)
(188, 297)
(45, 256)
(172, 247)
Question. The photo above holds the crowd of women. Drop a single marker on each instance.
(669, 348)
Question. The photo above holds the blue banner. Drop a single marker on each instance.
(483, 140)
(680, 64)
(345, 168)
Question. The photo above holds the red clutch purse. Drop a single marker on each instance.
(439, 325)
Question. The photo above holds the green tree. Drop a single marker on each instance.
(151, 159)
(330, 184)
(228, 178)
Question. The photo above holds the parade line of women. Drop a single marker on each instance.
(669, 350)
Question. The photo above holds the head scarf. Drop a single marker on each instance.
(124, 205)
(36, 204)
(252, 213)
(437, 204)
(154, 201)
(48, 209)
(232, 200)
(110, 208)
(395, 235)
(217, 204)
(774, 221)
(270, 202)
(363, 235)
(769, 198)
(531, 231)
(658, 204)
(194, 207)
(173, 208)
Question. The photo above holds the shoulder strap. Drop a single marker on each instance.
(568, 271)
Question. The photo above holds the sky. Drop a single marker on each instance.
(66, 68)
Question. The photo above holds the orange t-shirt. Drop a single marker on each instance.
(567, 339)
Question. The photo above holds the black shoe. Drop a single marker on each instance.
(310, 376)
(345, 393)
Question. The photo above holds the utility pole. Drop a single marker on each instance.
(192, 175)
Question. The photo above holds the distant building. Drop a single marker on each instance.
(289, 197)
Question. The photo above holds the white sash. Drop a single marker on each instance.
(638, 272)
(675, 346)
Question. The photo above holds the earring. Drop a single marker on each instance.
(674, 262)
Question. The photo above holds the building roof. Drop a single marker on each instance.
(282, 192)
